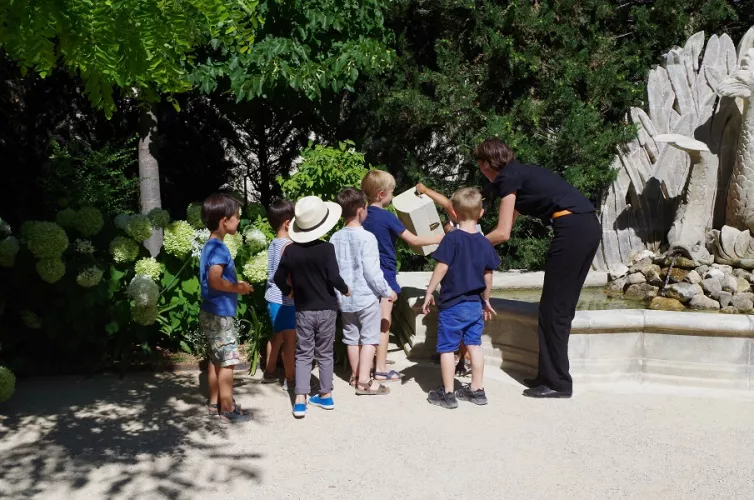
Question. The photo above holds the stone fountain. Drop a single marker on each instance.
(684, 192)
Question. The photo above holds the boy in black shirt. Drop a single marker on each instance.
(466, 260)
(312, 269)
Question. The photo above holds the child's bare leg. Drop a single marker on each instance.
(387, 313)
(225, 384)
(289, 354)
(214, 391)
(477, 367)
(353, 360)
(365, 364)
(273, 350)
(448, 370)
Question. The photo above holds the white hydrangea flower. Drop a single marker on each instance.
(255, 270)
(202, 235)
(255, 239)
(233, 242)
(143, 291)
(83, 246)
(121, 221)
(4, 228)
(145, 315)
(89, 277)
(148, 266)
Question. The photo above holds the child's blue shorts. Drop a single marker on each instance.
(283, 317)
(461, 321)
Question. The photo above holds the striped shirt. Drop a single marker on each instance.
(359, 263)
(274, 254)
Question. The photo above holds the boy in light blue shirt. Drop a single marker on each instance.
(359, 263)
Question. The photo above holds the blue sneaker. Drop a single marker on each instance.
(326, 403)
(299, 410)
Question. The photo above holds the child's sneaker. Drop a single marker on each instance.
(441, 398)
(299, 410)
(326, 403)
(477, 397)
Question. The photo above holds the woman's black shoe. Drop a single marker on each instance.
(542, 391)
(531, 382)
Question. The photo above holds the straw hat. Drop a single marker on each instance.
(313, 219)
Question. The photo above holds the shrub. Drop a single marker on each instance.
(7, 384)
(46, 240)
(8, 250)
(88, 221)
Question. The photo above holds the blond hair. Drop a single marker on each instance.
(467, 203)
(376, 181)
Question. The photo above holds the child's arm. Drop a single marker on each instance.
(488, 310)
(439, 199)
(373, 274)
(332, 272)
(437, 276)
(281, 277)
(420, 241)
(216, 281)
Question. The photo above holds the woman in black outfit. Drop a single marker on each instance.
(535, 191)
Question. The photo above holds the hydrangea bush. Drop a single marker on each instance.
(89, 277)
(139, 227)
(7, 384)
(89, 221)
(178, 239)
(124, 249)
(9, 248)
(149, 266)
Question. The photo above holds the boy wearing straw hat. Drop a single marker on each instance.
(312, 269)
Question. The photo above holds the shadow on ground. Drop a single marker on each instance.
(127, 438)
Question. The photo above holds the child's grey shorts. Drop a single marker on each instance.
(362, 327)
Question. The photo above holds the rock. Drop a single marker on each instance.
(724, 298)
(642, 266)
(714, 273)
(683, 291)
(742, 302)
(729, 310)
(653, 276)
(616, 287)
(617, 271)
(641, 291)
(712, 286)
(742, 286)
(730, 284)
(681, 262)
(667, 304)
(676, 274)
(693, 277)
(702, 270)
(702, 302)
(636, 278)
(741, 273)
(639, 256)
(725, 268)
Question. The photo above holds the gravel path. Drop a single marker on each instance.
(146, 436)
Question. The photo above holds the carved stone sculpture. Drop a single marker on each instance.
(673, 180)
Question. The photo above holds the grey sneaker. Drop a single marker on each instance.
(443, 399)
(235, 416)
(477, 397)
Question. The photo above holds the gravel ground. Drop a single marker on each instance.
(147, 436)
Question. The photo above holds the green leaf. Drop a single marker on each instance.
(191, 286)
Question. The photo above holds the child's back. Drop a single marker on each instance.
(314, 275)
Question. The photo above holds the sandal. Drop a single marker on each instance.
(213, 409)
(391, 376)
(366, 389)
(352, 381)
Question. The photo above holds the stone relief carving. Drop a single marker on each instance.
(686, 183)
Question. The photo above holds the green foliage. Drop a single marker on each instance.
(304, 45)
(325, 171)
(144, 47)
(552, 79)
(78, 175)
(7, 384)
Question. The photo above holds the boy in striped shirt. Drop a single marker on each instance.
(281, 309)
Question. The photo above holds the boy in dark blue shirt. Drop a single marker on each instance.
(220, 289)
(466, 260)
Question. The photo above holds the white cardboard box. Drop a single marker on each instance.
(419, 214)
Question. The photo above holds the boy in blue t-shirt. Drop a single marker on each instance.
(220, 289)
(378, 186)
(466, 260)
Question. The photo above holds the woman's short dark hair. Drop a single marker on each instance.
(280, 211)
(495, 152)
(217, 206)
(351, 200)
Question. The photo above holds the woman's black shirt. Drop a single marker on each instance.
(539, 192)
